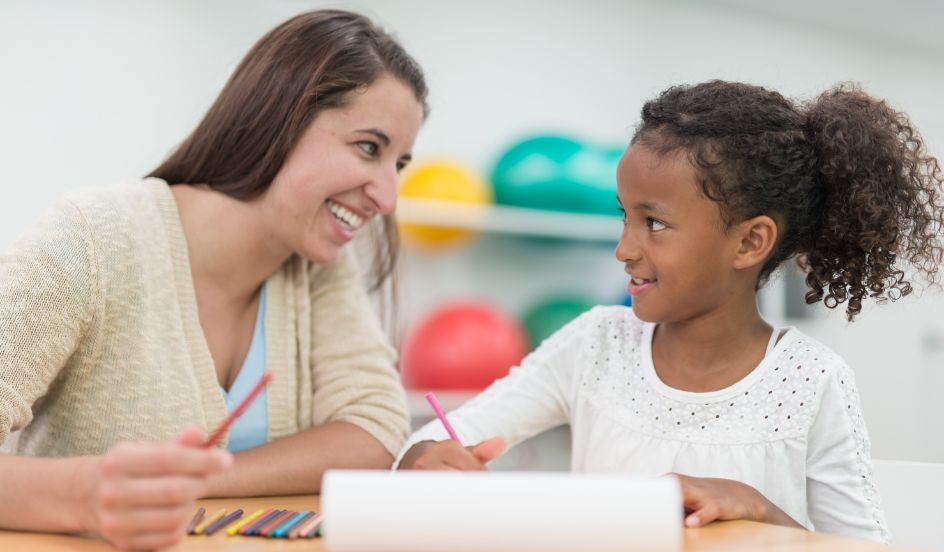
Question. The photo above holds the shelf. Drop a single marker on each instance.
(509, 220)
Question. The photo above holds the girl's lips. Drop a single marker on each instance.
(634, 289)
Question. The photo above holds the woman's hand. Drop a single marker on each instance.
(142, 495)
(450, 455)
(706, 500)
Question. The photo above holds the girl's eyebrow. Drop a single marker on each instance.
(652, 206)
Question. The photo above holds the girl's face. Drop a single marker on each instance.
(673, 244)
(343, 171)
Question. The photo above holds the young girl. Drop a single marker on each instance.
(135, 311)
(722, 183)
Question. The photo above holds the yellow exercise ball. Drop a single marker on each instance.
(442, 181)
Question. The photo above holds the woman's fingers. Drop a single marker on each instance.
(135, 527)
(191, 436)
(159, 459)
(123, 492)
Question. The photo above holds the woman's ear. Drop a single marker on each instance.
(757, 238)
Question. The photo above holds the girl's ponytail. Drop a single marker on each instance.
(881, 202)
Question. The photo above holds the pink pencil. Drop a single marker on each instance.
(238, 411)
(442, 416)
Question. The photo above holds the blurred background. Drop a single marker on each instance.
(523, 93)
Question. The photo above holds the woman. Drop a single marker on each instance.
(131, 313)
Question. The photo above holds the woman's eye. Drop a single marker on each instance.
(654, 224)
(622, 215)
(369, 148)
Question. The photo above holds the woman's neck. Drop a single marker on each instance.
(231, 250)
(711, 352)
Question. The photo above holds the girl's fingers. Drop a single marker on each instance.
(448, 455)
(703, 516)
(155, 459)
(488, 450)
(123, 492)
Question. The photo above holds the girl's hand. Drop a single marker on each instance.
(706, 500)
(450, 455)
(142, 495)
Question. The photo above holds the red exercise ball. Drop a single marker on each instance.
(462, 346)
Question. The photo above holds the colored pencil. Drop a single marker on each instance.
(267, 528)
(281, 530)
(227, 519)
(197, 518)
(233, 529)
(238, 411)
(209, 520)
(253, 528)
(431, 398)
(297, 530)
(310, 526)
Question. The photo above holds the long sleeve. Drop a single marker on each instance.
(48, 290)
(533, 397)
(841, 493)
(354, 376)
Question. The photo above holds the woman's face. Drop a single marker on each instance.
(343, 171)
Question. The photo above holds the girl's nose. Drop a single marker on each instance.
(627, 249)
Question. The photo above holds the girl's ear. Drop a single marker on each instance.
(757, 237)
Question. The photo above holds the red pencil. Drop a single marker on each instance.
(238, 411)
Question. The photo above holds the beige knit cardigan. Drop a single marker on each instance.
(100, 340)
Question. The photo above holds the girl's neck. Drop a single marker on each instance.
(712, 352)
(231, 252)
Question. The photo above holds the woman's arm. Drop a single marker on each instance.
(296, 463)
(138, 495)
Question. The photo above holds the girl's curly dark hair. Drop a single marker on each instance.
(846, 177)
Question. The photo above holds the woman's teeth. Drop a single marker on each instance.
(347, 219)
(639, 281)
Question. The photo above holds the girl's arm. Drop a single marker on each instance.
(708, 499)
(842, 496)
(533, 397)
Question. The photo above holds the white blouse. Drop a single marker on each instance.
(792, 428)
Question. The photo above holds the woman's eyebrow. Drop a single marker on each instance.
(378, 133)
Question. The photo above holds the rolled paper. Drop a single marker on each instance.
(417, 511)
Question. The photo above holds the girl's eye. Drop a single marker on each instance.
(622, 215)
(368, 147)
(654, 224)
(400, 166)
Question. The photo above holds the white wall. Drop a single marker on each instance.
(99, 91)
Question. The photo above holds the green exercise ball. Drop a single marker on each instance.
(558, 174)
(551, 314)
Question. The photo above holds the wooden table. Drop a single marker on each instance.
(718, 537)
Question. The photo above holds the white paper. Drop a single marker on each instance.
(419, 511)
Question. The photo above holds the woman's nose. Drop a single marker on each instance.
(382, 192)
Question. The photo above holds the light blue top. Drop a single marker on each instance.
(250, 429)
